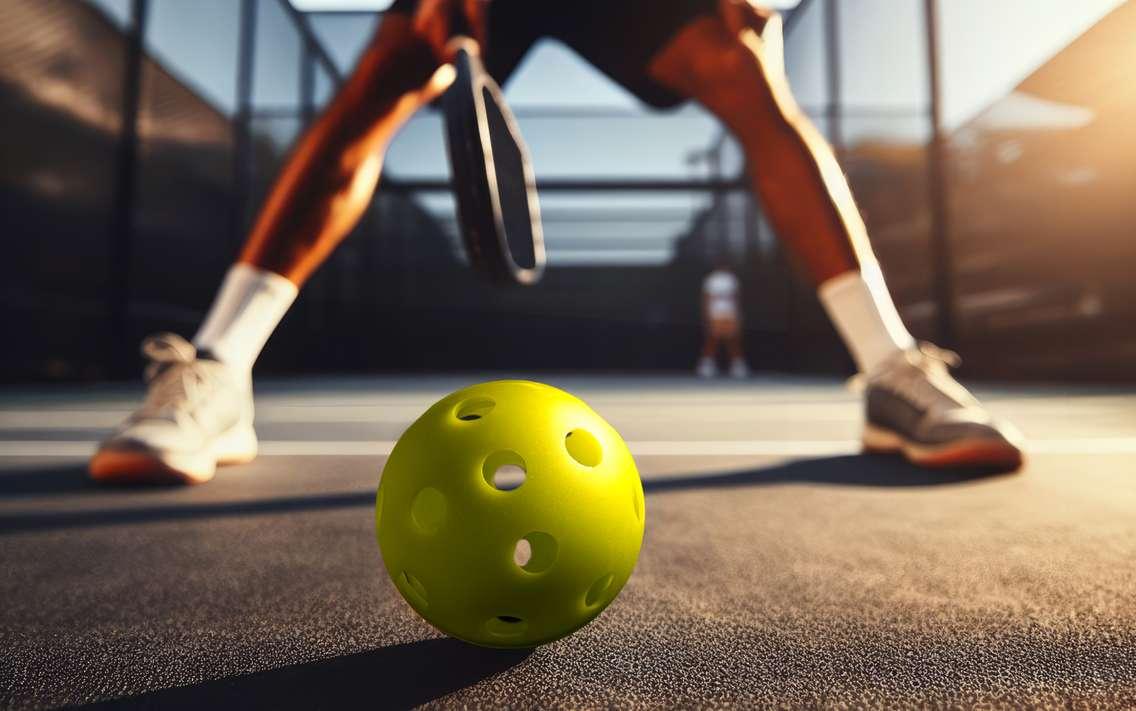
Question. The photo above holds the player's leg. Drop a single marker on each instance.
(322, 190)
(738, 367)
(732, 62)
(331, 174)
(708, 363)
(198, 412)
(738, 73)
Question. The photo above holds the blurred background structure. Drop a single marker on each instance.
(990, 148)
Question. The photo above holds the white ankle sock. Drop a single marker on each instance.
(244, 314)
(862, 311)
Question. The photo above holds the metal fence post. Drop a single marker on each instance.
(942, 266)
(118, 356)
(832, 53)
(242, 130)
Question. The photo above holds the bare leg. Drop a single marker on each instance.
(710, 346)
(331, 174)
(320, 194)
(734, 347)
(738, 74)
(322, 190)
(733, 63)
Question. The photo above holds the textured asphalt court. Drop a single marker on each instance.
(779, 568)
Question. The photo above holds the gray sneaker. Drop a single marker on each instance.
(916, 408)
(197, 414)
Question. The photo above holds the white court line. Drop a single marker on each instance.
(702, 448)
(403, 415)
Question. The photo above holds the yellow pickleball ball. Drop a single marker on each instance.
(510, 514)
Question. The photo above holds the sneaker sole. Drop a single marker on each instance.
(141, 465)
(984, 453)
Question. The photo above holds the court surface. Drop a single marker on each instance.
(779, 567)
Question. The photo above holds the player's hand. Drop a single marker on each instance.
(434, 21)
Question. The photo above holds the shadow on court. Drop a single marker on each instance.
(848, 470)
(851, 470)
(66, 479)
(396, 677)
(30, 521)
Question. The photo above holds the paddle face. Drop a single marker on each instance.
(493, 179)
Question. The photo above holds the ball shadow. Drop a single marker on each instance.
(397, 677)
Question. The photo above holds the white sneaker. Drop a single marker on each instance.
(197, 415)
(739, 369)
(706, 368)
(916, 408)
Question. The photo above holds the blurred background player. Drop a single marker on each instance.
(725, 54)
(721, 318)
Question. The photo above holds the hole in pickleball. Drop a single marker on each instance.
(536, 552)
(508, 477)
(413, 588)
(584, 447)
(474, 409)
(504, 470)
(522, 554)
(506, 626)
(428, 509)
(637, 502)
(596, 592)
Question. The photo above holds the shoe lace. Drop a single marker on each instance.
(922, 377)
(174, 376)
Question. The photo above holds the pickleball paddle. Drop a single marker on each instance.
(498, 209)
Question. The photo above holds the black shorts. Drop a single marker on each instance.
(618, 37)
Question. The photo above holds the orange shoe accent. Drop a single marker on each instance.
(1001, 456)
(124, 468)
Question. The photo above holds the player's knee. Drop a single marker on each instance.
(732, 74)
(747, 69)
(747, 14)
(397, 61)
(737, 64)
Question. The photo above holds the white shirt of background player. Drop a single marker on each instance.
(720, 290)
